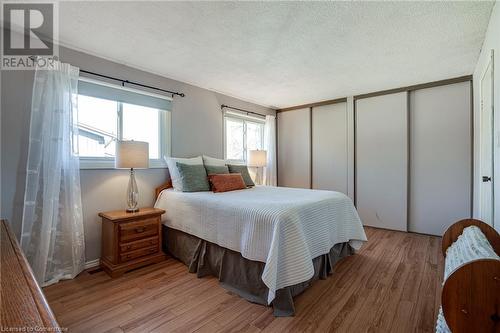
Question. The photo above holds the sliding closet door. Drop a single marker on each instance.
(294, 141)
(440, 157)
(381, 144)
(329, 147)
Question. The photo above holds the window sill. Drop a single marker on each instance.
(236, 162)
(109, 164)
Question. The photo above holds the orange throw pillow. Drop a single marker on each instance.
(226, 182)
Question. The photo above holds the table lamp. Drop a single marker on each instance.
(132, 155)
(257, 159)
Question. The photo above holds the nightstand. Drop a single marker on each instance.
(130, 240)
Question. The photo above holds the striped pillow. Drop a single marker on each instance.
(243, 170)
(226, 182)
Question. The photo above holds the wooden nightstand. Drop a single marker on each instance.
(130, 240)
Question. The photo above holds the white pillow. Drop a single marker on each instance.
(207, 160)
(174, 172)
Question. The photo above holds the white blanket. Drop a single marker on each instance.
(283, 227)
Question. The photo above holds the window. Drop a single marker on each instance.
(107, 113)
(242, 133)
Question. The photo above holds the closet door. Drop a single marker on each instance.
(294, 141)
(329, 147)
(440, 157)
(381, 145)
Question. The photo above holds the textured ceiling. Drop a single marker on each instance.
(284, 53)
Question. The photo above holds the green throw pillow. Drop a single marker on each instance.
(233, 168)
(216, 169)
(193, 177)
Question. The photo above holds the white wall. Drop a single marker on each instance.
(350, 147)
(294, 148)
(492, 41)
(382, 160)
(196, 129)
(329, 148)
(440, 157)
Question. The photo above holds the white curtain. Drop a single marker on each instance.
(270, 172)
(52, 226)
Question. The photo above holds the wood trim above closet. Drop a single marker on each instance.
(381, 92)
(313, 105)
(445, 82)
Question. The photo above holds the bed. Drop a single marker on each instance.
(267, 244)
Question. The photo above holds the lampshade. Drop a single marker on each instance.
(132, 155)
(257, 158)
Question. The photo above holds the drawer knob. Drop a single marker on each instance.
(129, 247)
(140, 229)
(152, 250)
(128, 256)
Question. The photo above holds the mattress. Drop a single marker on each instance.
(285, 228)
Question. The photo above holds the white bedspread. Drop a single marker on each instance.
(283, 227)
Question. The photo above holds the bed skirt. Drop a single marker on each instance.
(242, 276)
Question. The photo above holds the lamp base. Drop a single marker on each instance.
(132, 194)
(258, 176)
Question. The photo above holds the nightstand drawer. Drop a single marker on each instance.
(138, 253)
(138, 244)
(139, 229)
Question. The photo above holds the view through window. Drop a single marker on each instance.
(103, 121)
(242, 134)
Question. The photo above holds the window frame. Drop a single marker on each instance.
(164, 129)
(246, 119)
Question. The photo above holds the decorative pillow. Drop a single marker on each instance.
(193, 177)
(227, 182)
(174, 172)
(233, 168)
(216, 169)
(207, 160)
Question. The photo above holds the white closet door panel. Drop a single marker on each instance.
(440, 157)
(382, 160)
(294, 148)
(329, 147)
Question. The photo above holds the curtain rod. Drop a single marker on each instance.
(131, 82)
(242, 110)
(123, 81)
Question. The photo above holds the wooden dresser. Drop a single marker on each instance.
(23, 305)
(130, 240)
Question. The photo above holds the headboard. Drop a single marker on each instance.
(164, 186)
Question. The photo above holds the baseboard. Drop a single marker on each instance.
(91, 264)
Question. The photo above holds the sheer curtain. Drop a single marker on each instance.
(270, 173)
(52, 226)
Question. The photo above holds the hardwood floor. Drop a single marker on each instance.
(391, 285)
